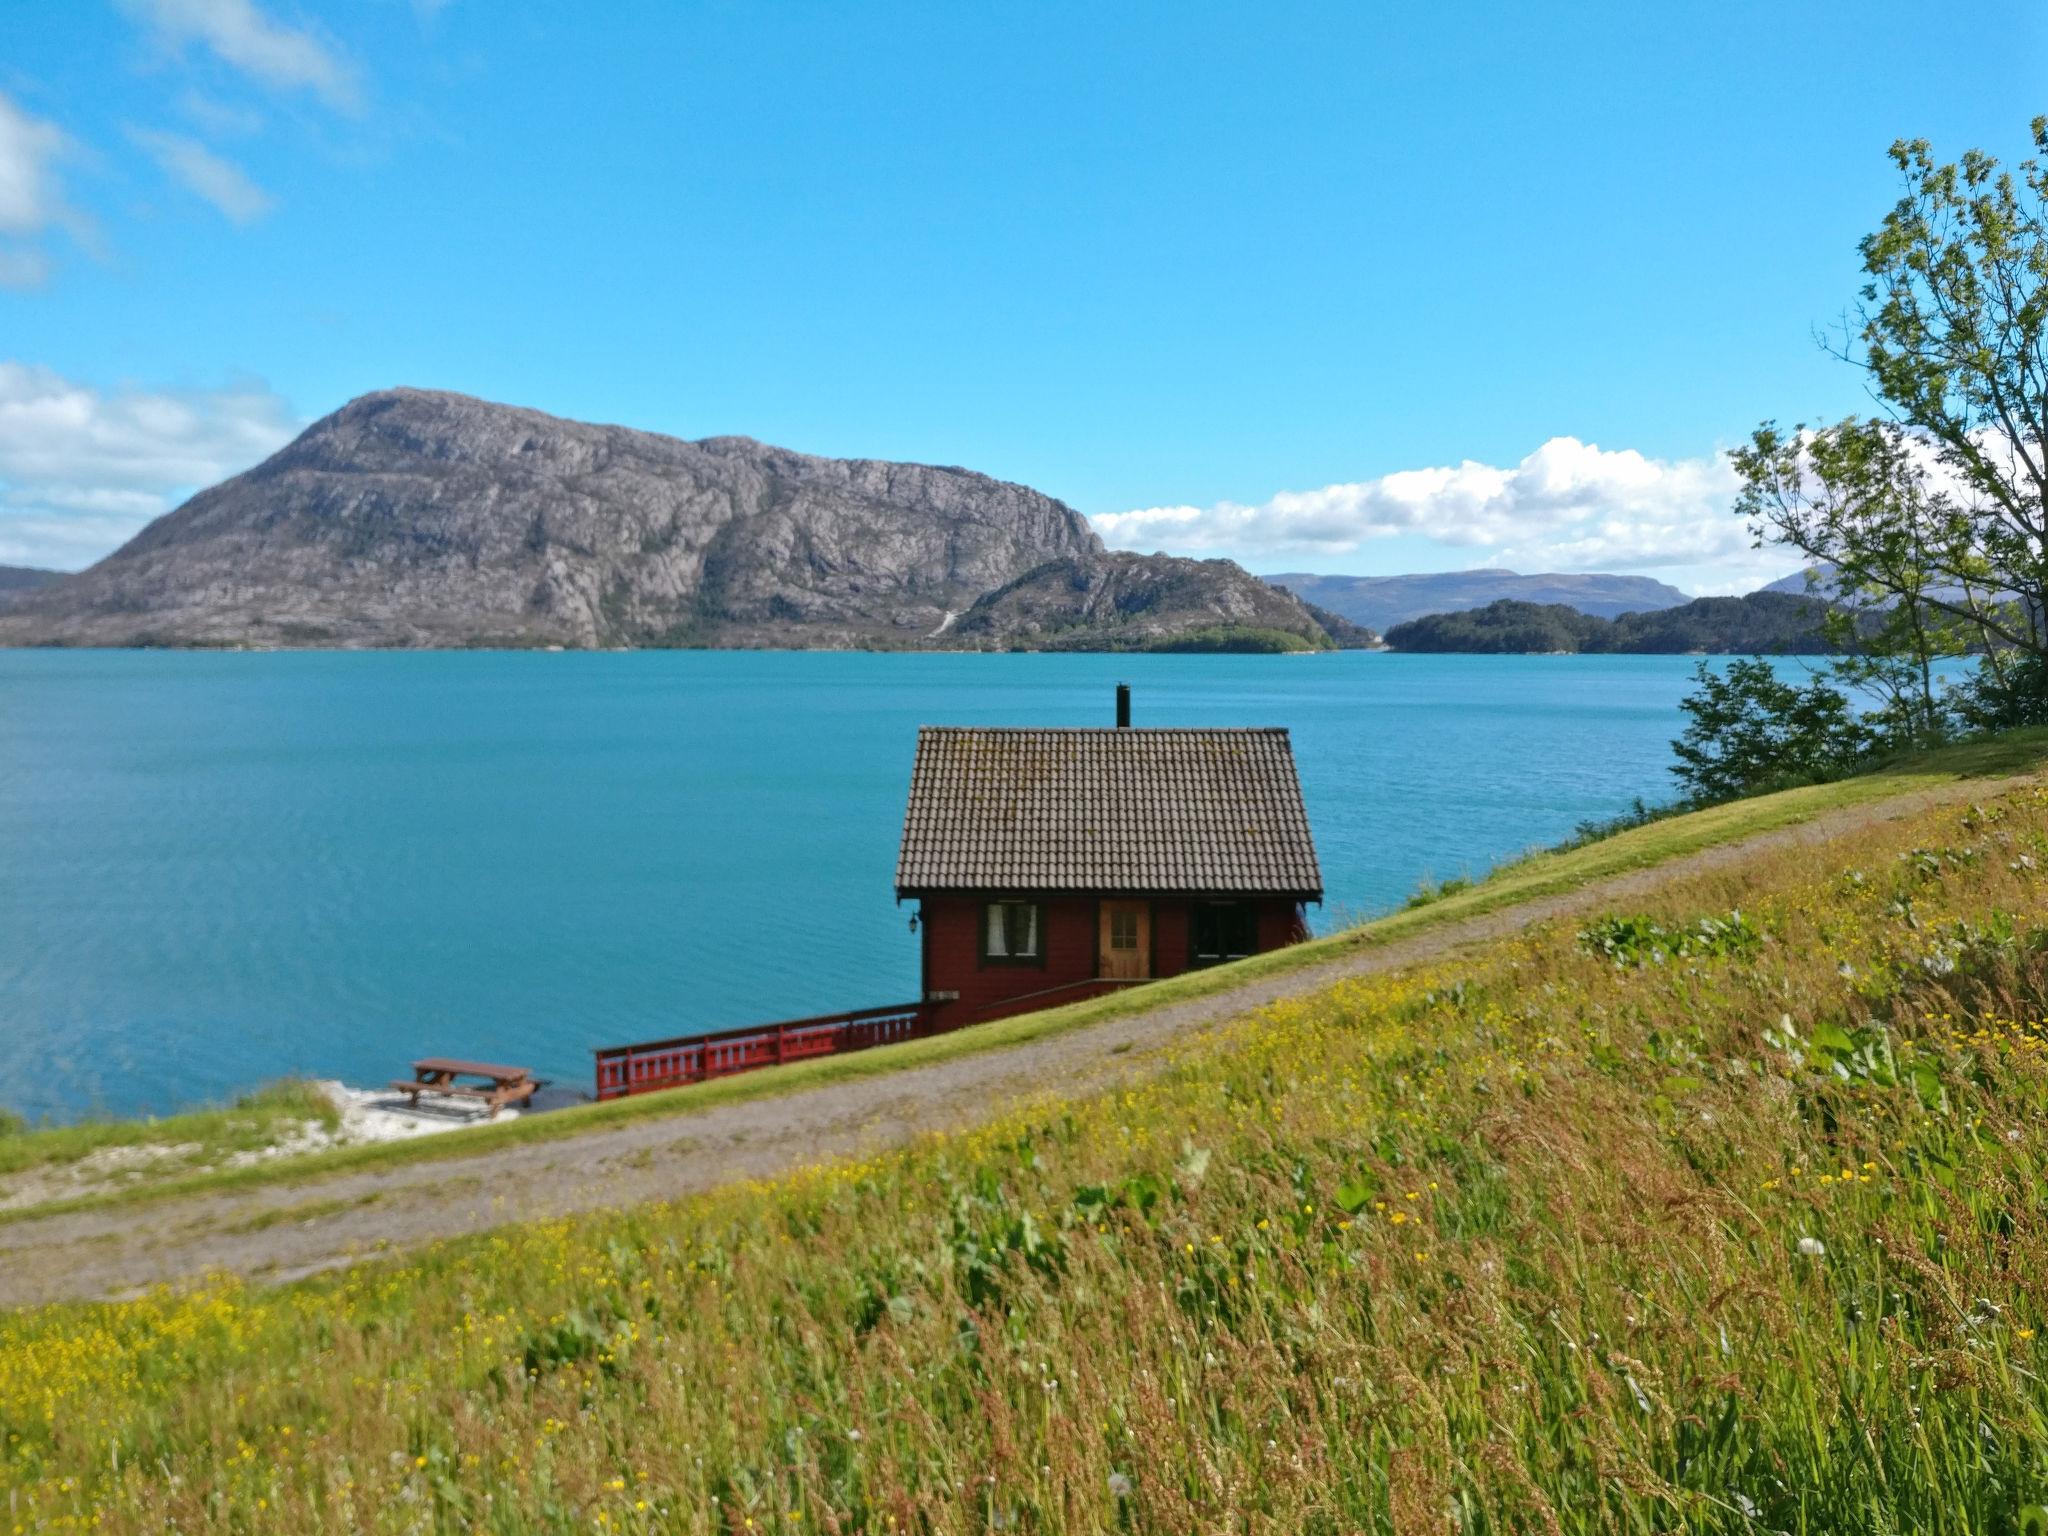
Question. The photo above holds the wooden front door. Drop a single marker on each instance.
(1126, 940)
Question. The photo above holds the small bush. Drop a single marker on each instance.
(1633, 942)
(1429, 892)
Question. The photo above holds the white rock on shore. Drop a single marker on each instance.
(378, 1114)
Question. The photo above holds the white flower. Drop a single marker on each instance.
(1119, 1485)
(1813, 1247)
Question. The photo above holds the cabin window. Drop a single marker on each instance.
(1012, 933)
(1222, 930)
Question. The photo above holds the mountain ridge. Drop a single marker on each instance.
(1380, 602)
(416, 518)
(17, 579)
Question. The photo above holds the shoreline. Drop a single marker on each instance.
(340, 1117)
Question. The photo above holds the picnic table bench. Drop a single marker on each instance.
(439, 1075)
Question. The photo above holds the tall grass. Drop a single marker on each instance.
(1667, 1220)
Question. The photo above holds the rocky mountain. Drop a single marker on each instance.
(417, 518)
(1380, 602)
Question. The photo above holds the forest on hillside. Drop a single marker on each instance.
(1763, 623)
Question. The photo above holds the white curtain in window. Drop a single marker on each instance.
(1012, 930)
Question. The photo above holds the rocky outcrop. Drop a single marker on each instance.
(417, 518)
(1131, 602)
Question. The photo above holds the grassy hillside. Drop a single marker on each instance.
(1718, 1214)
(204, 1163)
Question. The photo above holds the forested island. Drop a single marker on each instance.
(1763, 623)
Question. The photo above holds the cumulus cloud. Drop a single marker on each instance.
(81, 470)
(1569, 505)
(219, 181)
(31, 193)
(245, 38)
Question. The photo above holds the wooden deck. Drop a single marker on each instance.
(672, 1063)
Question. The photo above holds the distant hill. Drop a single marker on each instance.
(21, 578)
(415, 518)
(1380, 602)
(1824, 577)
(1763, 623)
(1797, 583)
(17, 581)
(1122, 601)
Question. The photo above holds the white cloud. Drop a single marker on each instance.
(31, 194)
(1568, 506)
(219, 181)
(245, 38)
(30, 197)
(222, 119)
(81, 470)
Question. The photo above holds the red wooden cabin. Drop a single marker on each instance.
(1055, 864)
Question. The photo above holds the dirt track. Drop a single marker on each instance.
(284, 1231)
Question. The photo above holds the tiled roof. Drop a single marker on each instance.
(1106, 810)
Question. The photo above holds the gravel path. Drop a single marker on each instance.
(285, 1231)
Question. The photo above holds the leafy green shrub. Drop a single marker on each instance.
(1429, 891)
(1751, 731)
(1633, 942)
(2003, 693)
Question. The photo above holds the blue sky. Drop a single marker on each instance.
(1346, 287)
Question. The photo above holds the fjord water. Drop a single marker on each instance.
(218, 869)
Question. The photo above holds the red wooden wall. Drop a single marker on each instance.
(952, 953)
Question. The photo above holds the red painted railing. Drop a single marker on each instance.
(652, 1064)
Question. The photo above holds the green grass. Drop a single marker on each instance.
(1527, 879)
(202, 1137)
(1657, 1220)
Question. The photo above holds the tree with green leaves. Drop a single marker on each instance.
(1856, 496)
(1952, 332)
(1749, 730)
(1930, 526)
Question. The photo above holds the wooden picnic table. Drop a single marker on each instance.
(442, 1075)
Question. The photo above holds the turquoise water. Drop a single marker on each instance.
(217, 869)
